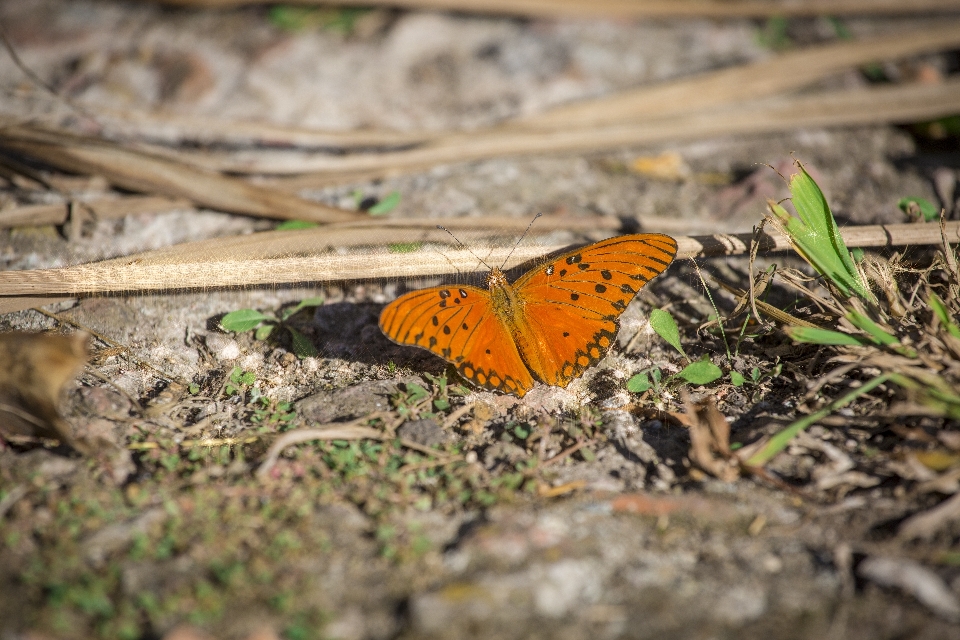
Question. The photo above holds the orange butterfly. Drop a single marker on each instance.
(551, 324)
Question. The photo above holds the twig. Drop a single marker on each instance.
(336, 432)
(454, 417)
(566, 452)
(12, 497)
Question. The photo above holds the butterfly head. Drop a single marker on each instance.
(496, 279)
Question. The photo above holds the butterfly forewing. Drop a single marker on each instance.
(458, 324)
(572, 302)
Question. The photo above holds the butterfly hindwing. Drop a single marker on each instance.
(573, 301)
(458, 324)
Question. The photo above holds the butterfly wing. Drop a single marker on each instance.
(572, 303)
(458, 324)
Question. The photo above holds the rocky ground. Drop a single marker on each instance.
(568, 513)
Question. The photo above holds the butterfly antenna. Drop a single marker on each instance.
(460, 245)
(520, 240)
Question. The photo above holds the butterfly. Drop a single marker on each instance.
(553, 323)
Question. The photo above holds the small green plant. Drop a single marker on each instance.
(869, 333)
(412, 401)
(341, 20)
(919, 209)
(405, 247)
(774, 34)
(376, 207)
(239, 381)
(700, 372)
(666, 327)
(266, 326)
(293, 225)
(815, 236)
(645, 380)
(270, 413)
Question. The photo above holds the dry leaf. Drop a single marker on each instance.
(913, 578)
(926, 524)
(37, 367)
(709, 438)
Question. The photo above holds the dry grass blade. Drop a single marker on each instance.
(773, 312)
(288, 257)
(780, 74)
(36, 215)
(705, 92)
(887, 104)
(142, 172)
(634, 8)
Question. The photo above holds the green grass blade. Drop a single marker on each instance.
(943, 315)
(812, 335)
(779, 442)
(877, 333)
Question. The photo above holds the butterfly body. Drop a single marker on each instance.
(551, 324)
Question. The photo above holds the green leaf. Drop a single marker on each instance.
(389, 203)
(315, 301)
(263, 331)
(755, 374)
(943, 315)
(441, 405)
(919, 206)
(290, 225)
(638, 383)
(302, 347)
(405, 247)
(666, 327)
(737, 379)
(812, 335)
(815, 236)
(291, 18)
(415, 392)
(701, 372)
(242, 320)
(247, 377)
